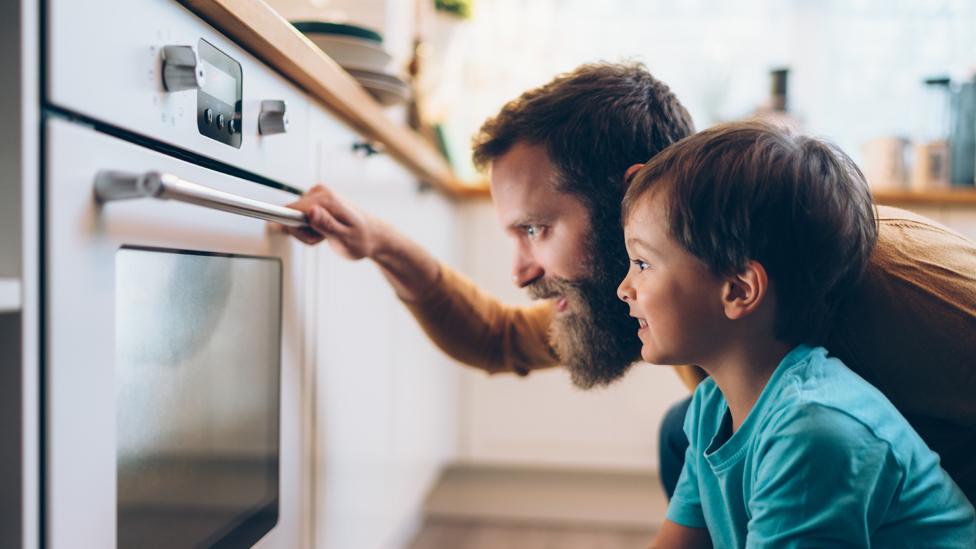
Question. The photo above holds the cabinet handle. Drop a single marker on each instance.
(367, 148)
(113, 185)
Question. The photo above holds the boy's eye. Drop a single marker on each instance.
(641, 265)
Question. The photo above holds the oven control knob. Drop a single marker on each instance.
(182, 69)
(272, 119)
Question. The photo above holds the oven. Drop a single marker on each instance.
(175, 411)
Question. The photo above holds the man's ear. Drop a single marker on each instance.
(630, 173)
(745, 291)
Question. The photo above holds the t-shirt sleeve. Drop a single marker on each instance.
(821, 479)
(685, 507)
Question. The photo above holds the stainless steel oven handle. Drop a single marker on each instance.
(114, 185)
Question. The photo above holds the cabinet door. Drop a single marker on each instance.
(386, 398)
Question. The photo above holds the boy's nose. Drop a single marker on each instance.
(625, 291)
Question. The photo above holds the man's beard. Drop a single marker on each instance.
(594, 338)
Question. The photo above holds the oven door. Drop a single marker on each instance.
(174, 360)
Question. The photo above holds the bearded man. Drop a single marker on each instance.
(559, 157)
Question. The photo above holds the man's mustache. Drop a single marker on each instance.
(553, 287)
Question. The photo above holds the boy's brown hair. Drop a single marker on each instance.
(753, 191)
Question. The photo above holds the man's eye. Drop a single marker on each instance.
(532, 231)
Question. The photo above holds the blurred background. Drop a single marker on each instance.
(534, 462)
(857, 70)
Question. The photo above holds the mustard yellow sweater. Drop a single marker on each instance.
(909, 328)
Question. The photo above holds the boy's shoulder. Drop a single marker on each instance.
(811, 392)
(823, 401)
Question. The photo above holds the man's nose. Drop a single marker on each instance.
(525, 270)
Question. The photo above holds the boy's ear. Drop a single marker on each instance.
(630, 173)
(745, 291)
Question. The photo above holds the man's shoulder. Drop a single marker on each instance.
(911, 235)
(900, 326)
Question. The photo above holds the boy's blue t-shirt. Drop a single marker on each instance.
(822, 460)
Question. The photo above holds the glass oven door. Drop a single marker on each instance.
(174, 356)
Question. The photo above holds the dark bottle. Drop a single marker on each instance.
(776, 110)
(962, 135)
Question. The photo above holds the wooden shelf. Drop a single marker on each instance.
(9, 295)
(946, 197)
(475, 190)
(262, 31)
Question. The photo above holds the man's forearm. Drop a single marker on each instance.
(410, 269)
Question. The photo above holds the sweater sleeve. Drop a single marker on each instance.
(476, 329)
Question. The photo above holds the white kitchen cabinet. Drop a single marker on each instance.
(19, 278)
(9, 295)
(386, 398)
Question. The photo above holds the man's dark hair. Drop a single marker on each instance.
(753, 191)
(594, 123)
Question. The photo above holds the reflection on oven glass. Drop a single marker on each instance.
(197, 377)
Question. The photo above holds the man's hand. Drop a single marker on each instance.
(351, 233)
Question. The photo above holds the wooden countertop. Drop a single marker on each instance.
(262, 31)
(934, 197)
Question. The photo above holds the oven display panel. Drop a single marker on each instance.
(197, 375)
(219, 100)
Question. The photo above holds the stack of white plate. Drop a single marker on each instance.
(360, 51)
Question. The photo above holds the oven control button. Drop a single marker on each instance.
(272, 119)
(208, 116)
(182, 69)
(220, 121)
(233, 125)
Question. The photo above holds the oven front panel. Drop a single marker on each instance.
(106, 62)
(174, 356)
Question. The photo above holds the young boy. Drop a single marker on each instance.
(743, 239)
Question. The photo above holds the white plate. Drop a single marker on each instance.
(385, 77)
(386, 93)
(351, 51)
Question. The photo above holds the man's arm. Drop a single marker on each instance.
(675, 536)
(463, 321)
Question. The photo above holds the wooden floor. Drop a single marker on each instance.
(474, 534)
(478, 507)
